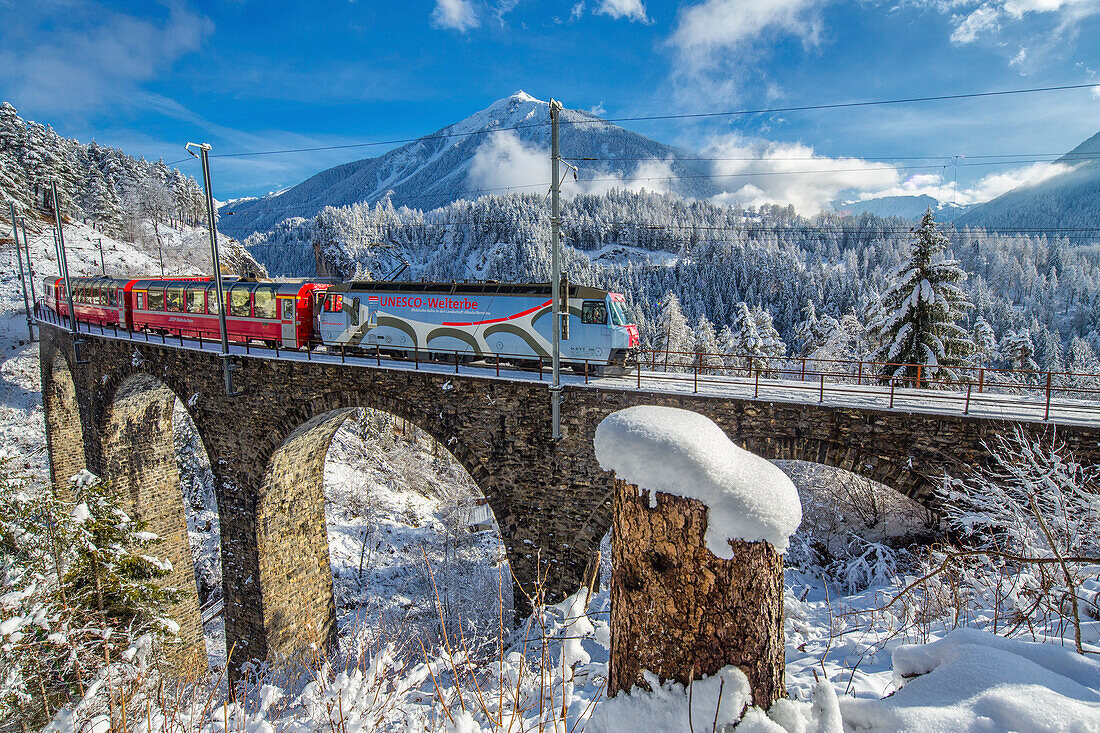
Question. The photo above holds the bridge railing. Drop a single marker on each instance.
(683, 370)
(974, 379)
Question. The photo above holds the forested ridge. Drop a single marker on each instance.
(818, 278)
(93, 181)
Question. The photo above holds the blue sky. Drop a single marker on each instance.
(247, 75)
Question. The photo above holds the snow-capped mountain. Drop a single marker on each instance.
(504, 147)
(906, 207)
(1059, 198)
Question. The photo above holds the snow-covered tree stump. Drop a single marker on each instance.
(683, 613)
(697, 566)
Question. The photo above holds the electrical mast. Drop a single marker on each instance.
(227, 367)
(555, 266)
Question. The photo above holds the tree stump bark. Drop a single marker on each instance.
(683, 613)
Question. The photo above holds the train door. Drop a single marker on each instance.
(288, 322)
(593, 340)
(333, 321)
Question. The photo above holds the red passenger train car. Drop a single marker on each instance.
(272, 312)
(99, 300)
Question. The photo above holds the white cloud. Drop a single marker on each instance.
(632, 10)
(705, 30)
(577, 11)
(599, 110)
(78, 57)
(504, 161)
(1019, 58)
(993, 185)
(651, 175)
(458, 15)
(973, 19)
(988, 187)
(1096, 92)
(983, 20)
(503, 7)
(718, 45)
(756, 172)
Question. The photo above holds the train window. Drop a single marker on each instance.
(265, 303)
(105, 295)
(593, 311)
(618, 313)
(334, 303)
(240, 302)
(196, 301)
(173, 300)
(156, 300)
(212, 301)
(288, 309)
(141, 301)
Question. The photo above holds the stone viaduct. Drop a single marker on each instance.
(267, 446)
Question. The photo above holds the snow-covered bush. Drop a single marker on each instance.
(854, 531)
(1026, 559)
(80, 590)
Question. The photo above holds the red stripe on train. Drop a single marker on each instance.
(498, 320)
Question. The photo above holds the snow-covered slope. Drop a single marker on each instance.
(1063, 195)
(440, 168)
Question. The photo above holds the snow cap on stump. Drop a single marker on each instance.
(683, 453)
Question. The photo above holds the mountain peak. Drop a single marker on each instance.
(522, 96)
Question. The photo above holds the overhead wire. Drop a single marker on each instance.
(639, 118)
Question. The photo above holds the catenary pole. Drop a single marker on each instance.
(30, 266)
(64, 262)
(102, 262)
(227, 367)
(555, 266)
(22, 273)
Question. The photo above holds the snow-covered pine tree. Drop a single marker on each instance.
(985, 342)
(114, 570)
(806, 330)
(705, 345)
(1018, 354)
(674, 334)
(772, 346)
(920, 337)
(727, 346)
(1084, 367)
(749, 348)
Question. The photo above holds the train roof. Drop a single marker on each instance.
(282, 287)
(479, 287)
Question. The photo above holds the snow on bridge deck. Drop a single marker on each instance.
(985, 405)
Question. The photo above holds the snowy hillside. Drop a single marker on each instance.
(468, 158)
(1063, 194)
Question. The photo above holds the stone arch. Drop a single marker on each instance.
(295, 575)
(64, 424)
(137, 455)
(906, 480)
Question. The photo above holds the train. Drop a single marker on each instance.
(460, 320)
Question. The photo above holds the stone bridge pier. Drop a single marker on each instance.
(267, 447)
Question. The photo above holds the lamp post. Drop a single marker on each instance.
(63, 261)
(22, 273)
(227, 366)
